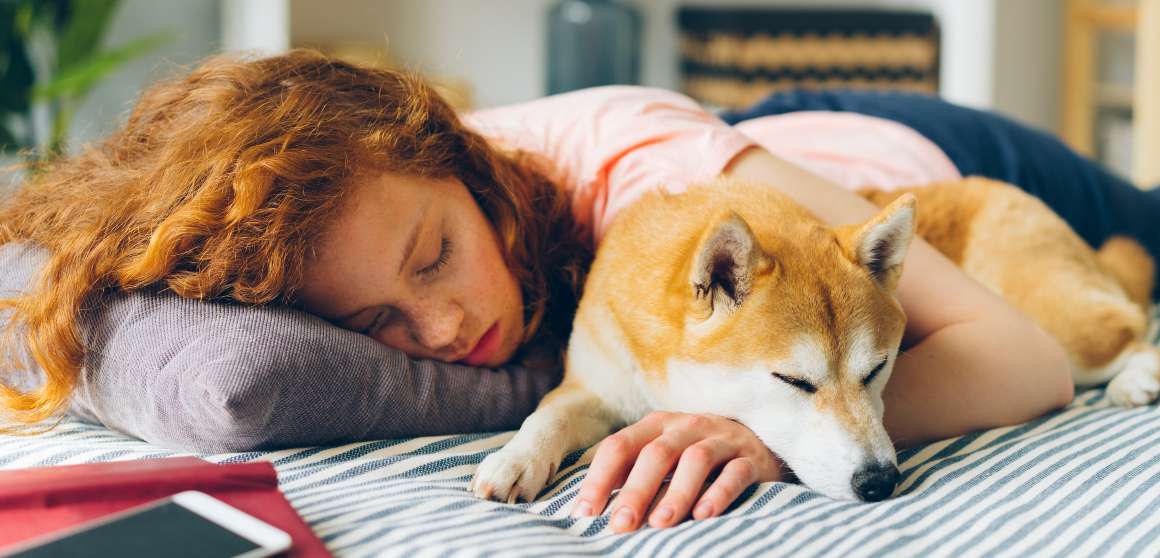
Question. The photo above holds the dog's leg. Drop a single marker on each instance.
(569, 418)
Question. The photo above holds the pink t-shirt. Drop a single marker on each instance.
(609, 145)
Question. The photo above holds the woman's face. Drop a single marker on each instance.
(414, 263)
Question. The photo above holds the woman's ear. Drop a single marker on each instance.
(879, 245)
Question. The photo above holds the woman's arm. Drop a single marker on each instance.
(974, 361)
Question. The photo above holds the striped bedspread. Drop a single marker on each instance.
(1082, 482)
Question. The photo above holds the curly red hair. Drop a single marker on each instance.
(220, 181)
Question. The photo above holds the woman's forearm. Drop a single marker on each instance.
(974, 361)
(972, 376)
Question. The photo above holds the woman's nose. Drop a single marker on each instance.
(437, 326)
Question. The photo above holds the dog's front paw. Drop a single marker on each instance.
(510, 476)
(1138, 384)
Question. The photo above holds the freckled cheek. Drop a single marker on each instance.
(504, 290)
(482, 277)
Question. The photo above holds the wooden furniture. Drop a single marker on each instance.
(1084, 19)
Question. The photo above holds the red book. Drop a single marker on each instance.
(38, 501)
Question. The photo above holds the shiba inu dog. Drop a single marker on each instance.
(733, 300)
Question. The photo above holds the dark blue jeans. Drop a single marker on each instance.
(1093, 200)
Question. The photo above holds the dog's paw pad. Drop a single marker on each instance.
(1139, 383)
(510, 476)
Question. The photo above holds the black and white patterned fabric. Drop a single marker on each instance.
(1081, 482)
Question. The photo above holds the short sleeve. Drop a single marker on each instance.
(609, 145)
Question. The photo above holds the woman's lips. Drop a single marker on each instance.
(485, 348)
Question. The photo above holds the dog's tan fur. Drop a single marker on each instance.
(810, 259)
(1129, 263)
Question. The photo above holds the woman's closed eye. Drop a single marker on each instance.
(376, 322)
(381, 316)
(444, 255)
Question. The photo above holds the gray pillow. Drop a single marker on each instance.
(215, 377)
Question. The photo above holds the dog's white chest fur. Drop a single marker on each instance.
(599, 360)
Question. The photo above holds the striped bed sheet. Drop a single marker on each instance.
(1081, 482)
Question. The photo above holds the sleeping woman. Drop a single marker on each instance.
(359, 196)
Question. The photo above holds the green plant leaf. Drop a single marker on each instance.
(16, 78)
(84, 26)
(16, 73)
(62, 11)
(22, 19)
(7, 21)
(57, 140)
(77, 79)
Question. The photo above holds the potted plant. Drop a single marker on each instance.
(50, 59)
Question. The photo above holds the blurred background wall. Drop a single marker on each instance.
(990, 47)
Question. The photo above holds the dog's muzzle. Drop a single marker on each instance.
(875, 481)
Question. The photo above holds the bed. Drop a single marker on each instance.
(1081, 482)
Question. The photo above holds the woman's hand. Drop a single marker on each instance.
(642, 454)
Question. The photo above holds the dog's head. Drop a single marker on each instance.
(792, 328)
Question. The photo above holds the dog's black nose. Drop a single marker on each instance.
(875, 481)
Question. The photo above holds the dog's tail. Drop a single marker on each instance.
(1128, 261)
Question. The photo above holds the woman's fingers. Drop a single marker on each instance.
(642, 454)
(737, 475)
(695, 465)
(614, 458)
(655, 461)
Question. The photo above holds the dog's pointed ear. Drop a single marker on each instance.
(727, 259)
(880, 244)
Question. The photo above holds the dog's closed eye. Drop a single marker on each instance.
(796, 382)
(874, 373)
